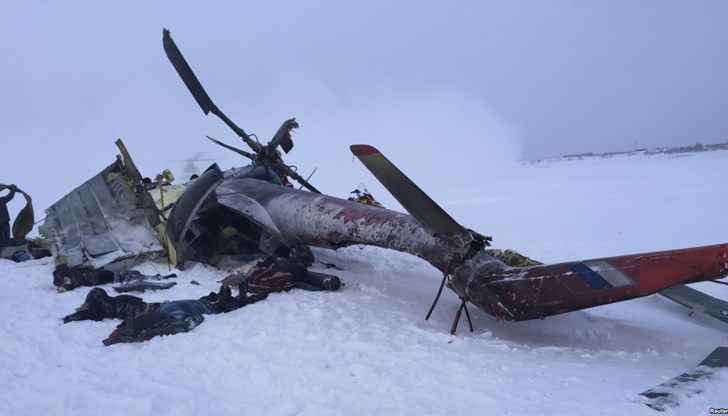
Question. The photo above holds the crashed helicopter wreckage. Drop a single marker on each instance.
(248, 209)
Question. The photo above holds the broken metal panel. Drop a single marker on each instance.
(168, 194)
(270, 236)
(249, 207)
(182, 231)
(100, 222)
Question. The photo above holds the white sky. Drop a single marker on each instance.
(434, 84)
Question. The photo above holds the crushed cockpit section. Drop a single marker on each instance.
(109, 221)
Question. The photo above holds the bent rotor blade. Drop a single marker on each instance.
(412, 198)
(234, 149)
(185, 72)
(193, 84)
(283, 136)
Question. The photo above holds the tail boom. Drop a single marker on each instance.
(521, 293)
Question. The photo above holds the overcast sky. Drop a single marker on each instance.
(434, 84)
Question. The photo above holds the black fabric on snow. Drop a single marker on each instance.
(99, 306)
(149, 325)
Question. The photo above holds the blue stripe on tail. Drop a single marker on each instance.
(589, 276)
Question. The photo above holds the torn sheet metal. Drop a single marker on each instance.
(101, 222)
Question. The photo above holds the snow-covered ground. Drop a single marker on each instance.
(367, 348)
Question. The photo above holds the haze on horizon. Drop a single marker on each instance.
(431, 83)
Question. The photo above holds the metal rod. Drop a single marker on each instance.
(439, 292)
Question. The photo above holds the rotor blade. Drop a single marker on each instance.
(407, 193)
(193, 84)
(698, 301)
(185, 72)
(234, 149)
(283, 136)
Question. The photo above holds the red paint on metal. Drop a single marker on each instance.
(539, 291)
(362, 149)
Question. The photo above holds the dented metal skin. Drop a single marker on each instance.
(295, 217)
(329, 222)
(101, 223)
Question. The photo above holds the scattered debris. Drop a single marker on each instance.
(668, 394)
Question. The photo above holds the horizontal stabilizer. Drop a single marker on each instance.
(407, 193)
(698, 301)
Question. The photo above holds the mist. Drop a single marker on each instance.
(451, 93)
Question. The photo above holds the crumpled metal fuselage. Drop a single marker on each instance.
(111, 221)
(283, 217)
(234, 209)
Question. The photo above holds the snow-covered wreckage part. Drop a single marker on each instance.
(685, 386)
(108, 221)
